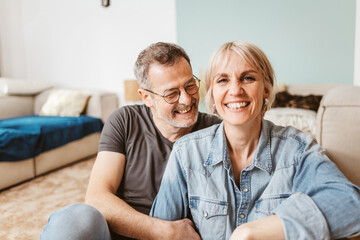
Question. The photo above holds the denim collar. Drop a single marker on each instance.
(219, 151)
(262, 157)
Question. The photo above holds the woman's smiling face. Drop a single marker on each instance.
(238, 91)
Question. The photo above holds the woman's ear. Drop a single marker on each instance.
(266, 93)
(145, 97)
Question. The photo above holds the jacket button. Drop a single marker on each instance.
(246, 190)
(242, 216)
(205, 214)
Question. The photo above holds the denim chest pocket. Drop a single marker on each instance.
(209, 216)
(264, 206)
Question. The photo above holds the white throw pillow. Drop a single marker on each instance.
(302, 119)
(65, 102)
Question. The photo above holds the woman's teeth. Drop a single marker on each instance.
(237, 105)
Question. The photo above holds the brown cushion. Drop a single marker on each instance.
(285, 99)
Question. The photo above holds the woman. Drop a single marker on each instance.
(248, 178)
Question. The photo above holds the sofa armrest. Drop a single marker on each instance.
(16, 106)
(338, 129)
(100, 105)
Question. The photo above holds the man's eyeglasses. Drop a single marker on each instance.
(172, 95)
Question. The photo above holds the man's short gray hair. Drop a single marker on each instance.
(157, 53)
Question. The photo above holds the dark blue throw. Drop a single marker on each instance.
(26, 137)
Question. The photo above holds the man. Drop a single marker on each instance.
(135, 144)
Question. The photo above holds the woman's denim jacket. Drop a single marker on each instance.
(290, 176)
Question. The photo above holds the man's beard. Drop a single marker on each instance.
(173, 122)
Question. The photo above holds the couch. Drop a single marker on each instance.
(29, 101)
(335, 125)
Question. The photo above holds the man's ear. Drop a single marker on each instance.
(145, 96)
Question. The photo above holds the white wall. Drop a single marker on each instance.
(79, 43)
(12, 52)
(357, 46)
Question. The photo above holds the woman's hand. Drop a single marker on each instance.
(265, 228)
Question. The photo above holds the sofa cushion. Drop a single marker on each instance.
(302, 119)
(22, 87)
(65, 102)
(26, 137)
(285, 99)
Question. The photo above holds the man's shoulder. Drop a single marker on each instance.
(127, 111)
(202, 136)
(135, 108)
(206, 120)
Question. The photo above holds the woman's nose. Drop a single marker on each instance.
(236, 89)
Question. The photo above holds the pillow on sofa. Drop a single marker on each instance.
(285, 99)
(65, 102)
(302, 119)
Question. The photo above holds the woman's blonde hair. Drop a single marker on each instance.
(253, 56)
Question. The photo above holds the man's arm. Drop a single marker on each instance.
(104, 181)
(265, 228)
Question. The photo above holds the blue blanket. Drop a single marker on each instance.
(26, 137)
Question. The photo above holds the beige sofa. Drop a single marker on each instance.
(100, 105)
(337, 124)
(338, 129)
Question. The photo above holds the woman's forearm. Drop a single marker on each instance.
(266, 228)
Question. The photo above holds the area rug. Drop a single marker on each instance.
(25, 209)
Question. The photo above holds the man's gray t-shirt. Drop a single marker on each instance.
(130, 130)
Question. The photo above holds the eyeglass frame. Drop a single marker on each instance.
(197, 80)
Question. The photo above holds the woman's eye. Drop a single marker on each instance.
(221, 80)
(249, 79)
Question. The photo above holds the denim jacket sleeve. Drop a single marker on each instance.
(331, 202)
(302, 219)
(171, 202)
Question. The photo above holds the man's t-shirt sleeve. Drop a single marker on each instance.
(114, 132)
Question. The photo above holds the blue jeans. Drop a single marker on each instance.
(76, 221)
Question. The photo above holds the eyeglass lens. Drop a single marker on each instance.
(173, 95)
